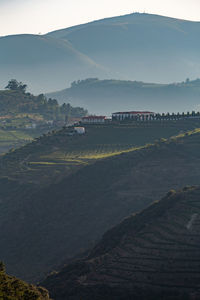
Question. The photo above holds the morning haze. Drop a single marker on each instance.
(99, 150)
(20, 16)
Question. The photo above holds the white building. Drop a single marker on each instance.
(94, 119)
(79, 130)
(133, 115)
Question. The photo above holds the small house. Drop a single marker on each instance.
(79, 130)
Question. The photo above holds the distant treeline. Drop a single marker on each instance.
(156, 117)
(15, 99)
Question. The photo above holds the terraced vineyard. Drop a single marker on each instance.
(152, 255)
(56, 154)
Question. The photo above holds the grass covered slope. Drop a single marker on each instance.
(12, 288)
(150, 255)
(56, 155)
(57, 222)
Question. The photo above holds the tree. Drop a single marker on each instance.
(14, 85)
(2, 267)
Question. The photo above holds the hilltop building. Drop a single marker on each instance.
(133, 115)
(94, 119)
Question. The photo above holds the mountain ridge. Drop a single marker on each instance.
(132, 47)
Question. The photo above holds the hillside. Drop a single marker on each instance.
(108, 96)
(51, 157)
(15, 100)
(12, 288)
(139, 47)
(150, 255)
(60, 220)
(24, 116)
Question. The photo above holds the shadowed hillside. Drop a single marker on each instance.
(150, 255)
(57, 222)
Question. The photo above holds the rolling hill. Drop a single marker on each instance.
(150, 255)
(43, 62)
(108, 96)
(140, 47)
(47, 220)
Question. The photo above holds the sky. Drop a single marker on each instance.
(42, 16)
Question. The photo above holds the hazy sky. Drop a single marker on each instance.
(41, 16)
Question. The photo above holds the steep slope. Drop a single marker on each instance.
(42, 62)
(12, 288)
(150, 255)
(137, 46)
(108, 96)
(49, 226)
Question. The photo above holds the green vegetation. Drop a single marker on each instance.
(24, 116)
(17, 101)
(12, 288)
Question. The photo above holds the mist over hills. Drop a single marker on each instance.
(108, 96)
(150, 255)
(43, 62)
(140, 47)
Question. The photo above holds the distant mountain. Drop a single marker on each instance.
(137, 46)
(44, 63)
(47, 224)
(151, 255)
(107, 96)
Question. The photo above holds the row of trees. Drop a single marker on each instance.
(23, 102)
